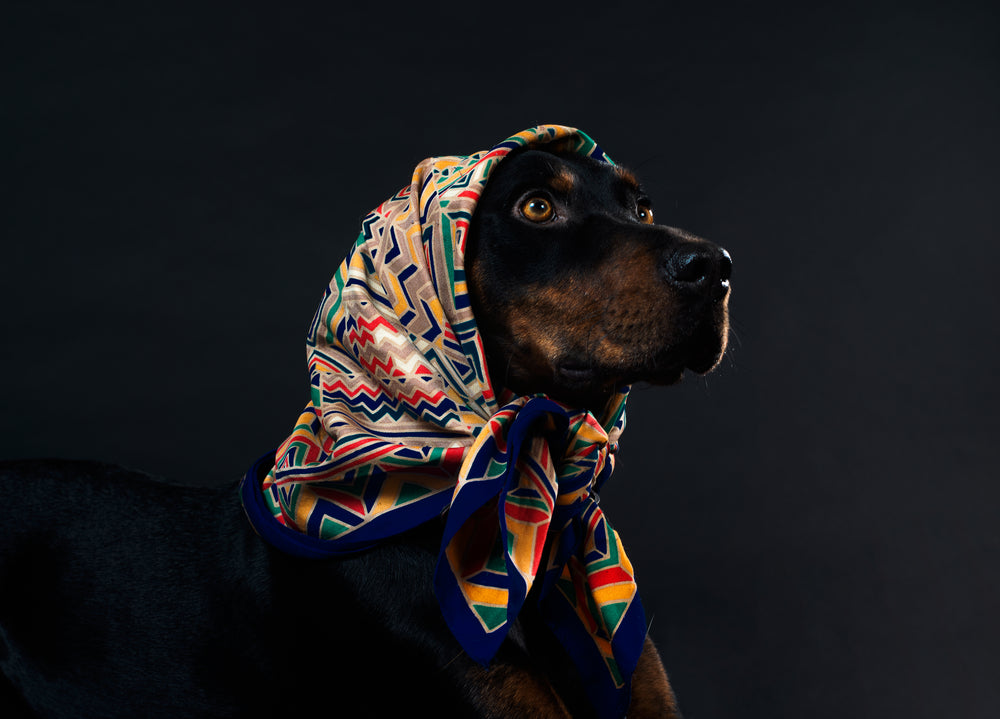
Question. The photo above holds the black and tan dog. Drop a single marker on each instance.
(117, 598)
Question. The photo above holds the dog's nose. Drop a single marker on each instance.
(699, 267)
(725, 266)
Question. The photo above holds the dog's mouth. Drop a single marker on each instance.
(576, 374)
(699, 351)
(586, 374)
(579, 380)
(583, 361)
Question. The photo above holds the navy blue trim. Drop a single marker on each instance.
(290, 541)
(609, 701)
(483, 646)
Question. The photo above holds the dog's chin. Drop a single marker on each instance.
(705, 362)
(698, 354)
(572, 382)
(591, 386)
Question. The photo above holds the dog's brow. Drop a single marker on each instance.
(629, 177)
(562, 181)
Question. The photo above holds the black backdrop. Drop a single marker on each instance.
(814, 525)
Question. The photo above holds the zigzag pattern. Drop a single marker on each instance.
(406, 401)
(403, 425)
(536, 493)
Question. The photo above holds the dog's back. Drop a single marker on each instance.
(103, 589)
(122, 595)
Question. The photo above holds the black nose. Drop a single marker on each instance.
(699, 268)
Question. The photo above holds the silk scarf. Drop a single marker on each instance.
(404, 426)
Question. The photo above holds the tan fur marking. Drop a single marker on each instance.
(652, 696)
(628, 176)
(503, 690)
(563, 181)
(608, 314)
(506, 691)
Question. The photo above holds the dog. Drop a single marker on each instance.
(117, 598)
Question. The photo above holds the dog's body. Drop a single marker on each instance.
(121, 595)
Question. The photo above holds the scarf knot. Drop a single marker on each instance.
(526, 507)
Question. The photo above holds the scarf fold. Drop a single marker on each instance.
(403, 426)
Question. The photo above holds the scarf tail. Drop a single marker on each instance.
(479, 602)
(608, 680)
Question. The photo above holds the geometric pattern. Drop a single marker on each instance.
(533, 474)
(403, 426)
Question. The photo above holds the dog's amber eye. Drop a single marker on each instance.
(645, 214)
(537, 209)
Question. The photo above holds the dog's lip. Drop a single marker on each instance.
(704, 363)
(575, 373)
(578, 374)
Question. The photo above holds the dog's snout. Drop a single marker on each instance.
(698, 268)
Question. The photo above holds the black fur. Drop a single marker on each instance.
(593, 297)
(124, 595)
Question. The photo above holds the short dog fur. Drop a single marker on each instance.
(119, 598)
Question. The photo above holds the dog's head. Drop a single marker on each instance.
(576, 290)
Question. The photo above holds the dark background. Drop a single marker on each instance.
(815, 525)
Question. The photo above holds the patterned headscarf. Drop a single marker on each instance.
(404, 426)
